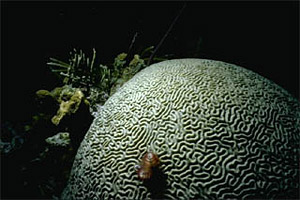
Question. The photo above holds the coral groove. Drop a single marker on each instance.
(220, 131)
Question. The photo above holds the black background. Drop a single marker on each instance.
(260, 36)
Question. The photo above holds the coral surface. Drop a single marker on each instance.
(220, 131)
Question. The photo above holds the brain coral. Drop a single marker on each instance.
(220, 131)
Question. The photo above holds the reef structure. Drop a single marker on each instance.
(221, 131)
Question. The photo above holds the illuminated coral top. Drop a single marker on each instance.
(219, 130)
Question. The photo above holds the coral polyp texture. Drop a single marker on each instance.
(220, 131)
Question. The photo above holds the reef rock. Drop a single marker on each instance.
(219, 130)
(61, 139)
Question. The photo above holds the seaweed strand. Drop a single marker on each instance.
(166, 34)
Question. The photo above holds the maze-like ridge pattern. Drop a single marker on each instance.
(220, 131)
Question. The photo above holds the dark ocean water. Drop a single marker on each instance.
(260, 36)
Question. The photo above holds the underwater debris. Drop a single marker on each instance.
(61, 139)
